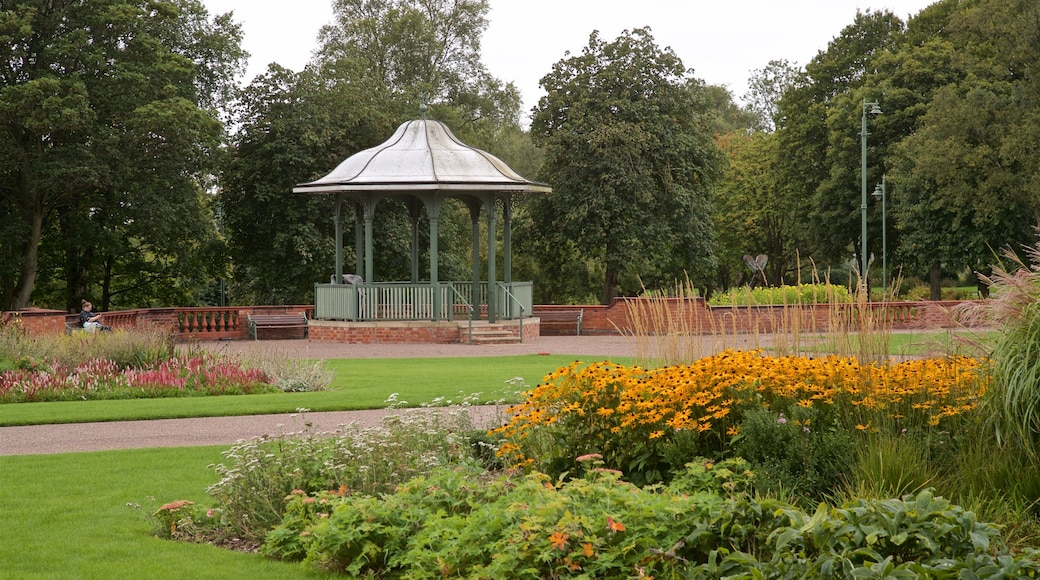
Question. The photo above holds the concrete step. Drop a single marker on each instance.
(493, 335)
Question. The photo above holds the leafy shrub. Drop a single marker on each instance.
(782, 295)
(259, 474)
(797, 455)
(457, 522)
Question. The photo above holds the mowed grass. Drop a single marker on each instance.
(358, 384)
(75, 516)
(924, 343)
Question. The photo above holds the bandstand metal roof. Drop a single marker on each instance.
(422, 156)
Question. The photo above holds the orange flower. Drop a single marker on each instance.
(614, 525)
(588, 550)
(558, 540)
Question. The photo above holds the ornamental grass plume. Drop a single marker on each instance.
(1014, 307)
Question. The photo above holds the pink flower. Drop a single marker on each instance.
(589, 457)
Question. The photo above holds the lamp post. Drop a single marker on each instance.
(880, 193)
(873, 110)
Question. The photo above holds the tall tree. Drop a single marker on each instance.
(423, 51)
(374, 65)
(819, 126)
(627, 136)
(294, 127)
(967, 177)
(107, 135)
(757, 212)
(766, 87)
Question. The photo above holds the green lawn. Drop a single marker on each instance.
(923, 343)
(358, 384)
(67, 516)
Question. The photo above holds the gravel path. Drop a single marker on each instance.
(45, 439)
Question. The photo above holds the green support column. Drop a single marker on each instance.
(474, 216)
(434, 212)
(492, 275)
(415, 212)
(339, 238)
(359, 240)
(370, 215)
(507, 239)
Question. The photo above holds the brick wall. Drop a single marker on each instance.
(384, 333)
(36, 322)
(693, 315)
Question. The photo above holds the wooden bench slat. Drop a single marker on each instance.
(275, 321)
(563, 317)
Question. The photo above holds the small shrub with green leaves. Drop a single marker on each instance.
(782, 295)
(459, 522)
(259, 474)
(796, 454)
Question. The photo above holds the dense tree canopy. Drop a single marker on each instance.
(629, 153)
(112, 138)
(957, 136)
(108, 136)
(375, 64)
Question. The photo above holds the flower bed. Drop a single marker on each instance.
(102, 379)
(636, 417)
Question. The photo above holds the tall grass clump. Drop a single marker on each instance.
(662, 328)
(1014, 306)
(790, 320)
(857, 328)
(291, 373)
(125, 348)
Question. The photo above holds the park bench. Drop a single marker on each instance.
(558, 321)
(276, 322)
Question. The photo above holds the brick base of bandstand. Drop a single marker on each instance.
(422, 332)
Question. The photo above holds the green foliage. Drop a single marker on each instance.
(757, 212)
(798, 455)
(631, 160)
(294, 129)
(782, 295)
(1014, 306)
(258, 476)
(110, 135)
(456, 522)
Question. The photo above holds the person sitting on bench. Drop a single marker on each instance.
(89, 319)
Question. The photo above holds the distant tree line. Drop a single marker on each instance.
(135, 170)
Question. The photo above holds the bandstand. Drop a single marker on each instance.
(424, 164)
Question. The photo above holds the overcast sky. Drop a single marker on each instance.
(721, 40)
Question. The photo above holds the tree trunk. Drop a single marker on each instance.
(30, 260)
(609, 287)
(77, 261)
(935, 282)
